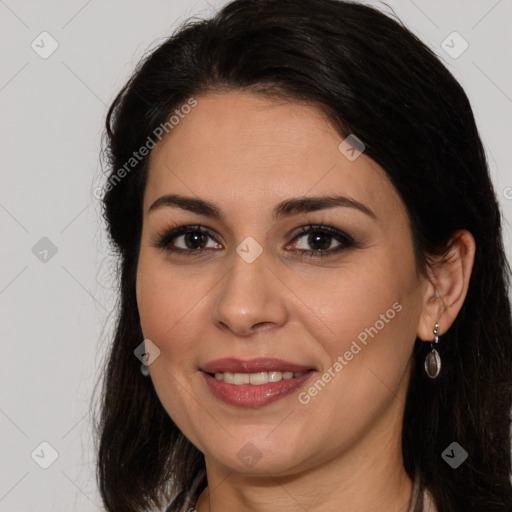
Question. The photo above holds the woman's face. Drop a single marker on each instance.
(342, 305)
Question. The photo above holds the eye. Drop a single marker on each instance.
(194, 240)
(186, 240)
(317, 241)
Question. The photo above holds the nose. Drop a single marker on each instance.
(250, 298)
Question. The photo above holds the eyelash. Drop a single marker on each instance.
(163, 240)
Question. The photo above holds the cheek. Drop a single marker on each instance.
(366, 351)
(169, 304)
(348, 302)
(368, 317)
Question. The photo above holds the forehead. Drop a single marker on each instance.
(238, 147)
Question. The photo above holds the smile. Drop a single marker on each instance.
(254, 395)
(256, 379)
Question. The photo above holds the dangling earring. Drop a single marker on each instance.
(433, 360)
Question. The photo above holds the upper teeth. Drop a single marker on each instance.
(256, 378)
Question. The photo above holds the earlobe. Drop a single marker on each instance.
(448, 285)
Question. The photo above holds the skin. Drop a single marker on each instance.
(341, 451)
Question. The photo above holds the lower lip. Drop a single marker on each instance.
(249, 395)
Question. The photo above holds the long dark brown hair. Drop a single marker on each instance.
(376, 80)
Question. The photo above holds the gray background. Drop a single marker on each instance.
(55, 307)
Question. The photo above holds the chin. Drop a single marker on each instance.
(261, 458)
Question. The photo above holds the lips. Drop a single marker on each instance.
(260, 364)
(276, 379)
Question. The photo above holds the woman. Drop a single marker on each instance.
(311, 272)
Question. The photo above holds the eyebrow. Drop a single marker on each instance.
(284, 209)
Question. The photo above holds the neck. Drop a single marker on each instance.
(288, 494)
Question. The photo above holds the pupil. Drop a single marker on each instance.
(192, 239)
(317, 240)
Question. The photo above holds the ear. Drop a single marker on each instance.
(448, 285)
